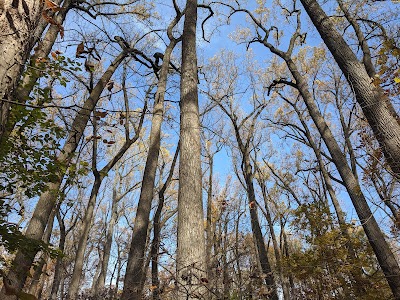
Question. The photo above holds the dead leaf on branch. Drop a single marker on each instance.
(100, 114)
(50, 20)
(80, 49)
(52, 6)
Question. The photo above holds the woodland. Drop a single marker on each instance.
(199, 149)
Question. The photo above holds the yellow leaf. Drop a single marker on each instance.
(397, 79)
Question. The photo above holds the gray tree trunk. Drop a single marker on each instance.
(134, 270)
(57, 271)
(35, 283)
(26, 84)
(101, 280)
(22, 262)
(209, 229)
(155, 243)
(375, 104)
(17, 20)
(278, 258)
(255, 226)
(80, 252)
(191, 252)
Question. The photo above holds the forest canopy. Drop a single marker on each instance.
(199, 149)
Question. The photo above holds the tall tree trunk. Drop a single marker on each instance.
(134, 270)
(17, 21)
(209, 231)
(155, 243)
(57, 271)
(80, 252)
(381, 248)
(285, 288)
(34, 287)
(22, 262)
(237, 256)
(100, 282)
(191, 252)
(255, 227)
(375, 104)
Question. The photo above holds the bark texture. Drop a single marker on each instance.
(80, 252)
(101, 280)
(18, 19)
(157, 225)
(191, 252)
(57, 271)
(255, 227)
(27, 82)
(375, 104)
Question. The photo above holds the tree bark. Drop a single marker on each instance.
(255, 226)
(191, 252)
(375, 104)
(209, 231)
(22, 262)
(285, 288)
(34, 287)
(155, 243)
(57, 271)
(80, 252)
(17, 20)
(26, 84)
(101, 280)
(134, 271)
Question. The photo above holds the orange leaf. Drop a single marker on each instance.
(61, 30)
(51, 5)
(41, 60)
(54, 55)
(49, 19)
(100, 114)
(80, 49)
